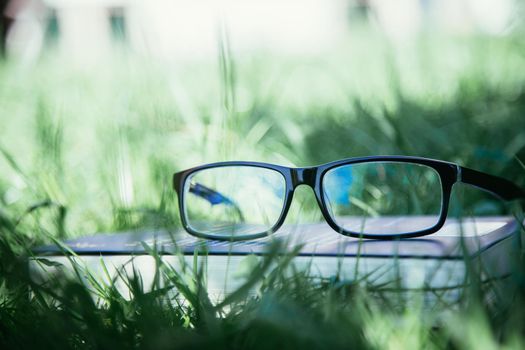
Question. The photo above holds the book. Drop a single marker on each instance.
(436, 265)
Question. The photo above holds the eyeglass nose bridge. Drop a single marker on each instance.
(304, 176)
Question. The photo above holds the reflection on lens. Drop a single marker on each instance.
(382, 198)
(233, 201)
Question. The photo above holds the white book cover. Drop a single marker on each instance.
(435, 264)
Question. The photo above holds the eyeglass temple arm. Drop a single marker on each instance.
(214, 197)
(501, 187)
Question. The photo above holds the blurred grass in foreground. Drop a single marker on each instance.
(289, 311)
(87, 149)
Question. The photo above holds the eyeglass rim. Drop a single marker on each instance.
(449, 174)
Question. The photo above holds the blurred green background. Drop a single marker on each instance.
(94, 132)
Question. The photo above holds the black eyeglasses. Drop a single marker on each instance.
(383, 197)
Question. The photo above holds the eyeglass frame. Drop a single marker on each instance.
(449, 174)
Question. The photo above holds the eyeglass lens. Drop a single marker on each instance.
(379, 198)
(234, 200)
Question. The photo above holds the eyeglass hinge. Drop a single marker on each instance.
(458, 174)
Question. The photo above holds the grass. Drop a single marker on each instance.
(86, 151)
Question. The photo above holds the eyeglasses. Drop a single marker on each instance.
(382, 197)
